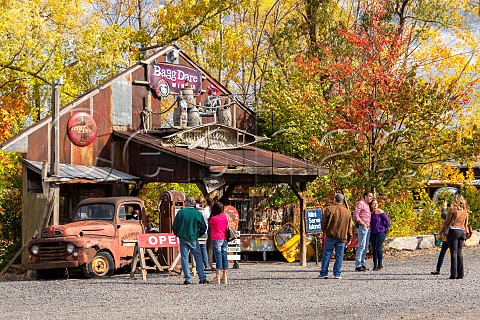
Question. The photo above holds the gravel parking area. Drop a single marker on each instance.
(405, 289)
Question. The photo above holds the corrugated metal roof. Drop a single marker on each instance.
(70, 173)
(241, 160)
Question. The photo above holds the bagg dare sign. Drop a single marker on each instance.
(175, 76)
(156, 240)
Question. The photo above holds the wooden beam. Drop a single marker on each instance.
(300, 191)
(25, 245)
(227, 193)
(269, 171)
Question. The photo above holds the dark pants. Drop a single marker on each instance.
(441, 255)
(377, 240)
(456, 239)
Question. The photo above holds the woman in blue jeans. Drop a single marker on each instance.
(218, 224)
(379, 225)
(443, 250)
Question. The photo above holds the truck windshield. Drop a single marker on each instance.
(96, 211)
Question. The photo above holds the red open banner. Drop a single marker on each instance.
(156, 240)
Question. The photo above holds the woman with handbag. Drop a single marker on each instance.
(454, 227)
(218, 224)
(379, 225)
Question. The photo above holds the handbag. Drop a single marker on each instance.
(468, 230)
(231, 233)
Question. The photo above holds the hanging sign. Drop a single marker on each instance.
(314, 220)
(174, 77)
(81, 129)
(213, 183)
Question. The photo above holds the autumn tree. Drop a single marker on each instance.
(364, 108)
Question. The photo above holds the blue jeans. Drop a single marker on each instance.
(203, 250)
(185, 248)
(441, 255)
(363, 238)
(377, 244)
(328, 247)
(220, 249)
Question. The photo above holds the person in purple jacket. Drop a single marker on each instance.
(379, 225)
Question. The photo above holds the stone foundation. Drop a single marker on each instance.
(422, 242)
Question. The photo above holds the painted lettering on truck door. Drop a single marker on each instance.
(128, 226)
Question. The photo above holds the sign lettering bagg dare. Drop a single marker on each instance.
(314, 220)
(176, 76)
(156, 240)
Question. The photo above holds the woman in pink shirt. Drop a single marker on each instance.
(218, 224)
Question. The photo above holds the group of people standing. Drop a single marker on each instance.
(372, 224)
(192, 223)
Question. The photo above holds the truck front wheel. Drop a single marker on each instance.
(101, 266)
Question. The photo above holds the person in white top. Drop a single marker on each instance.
(203, 246)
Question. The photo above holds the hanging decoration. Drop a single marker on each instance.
(163, 88)
(212, 90)
(81, 129)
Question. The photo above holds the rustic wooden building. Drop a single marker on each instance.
(164, 119)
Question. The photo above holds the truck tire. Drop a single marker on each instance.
(101, 266)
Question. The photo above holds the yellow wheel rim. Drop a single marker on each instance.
(100, 265)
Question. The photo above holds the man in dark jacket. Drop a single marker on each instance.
(188, 226)
(338, 227)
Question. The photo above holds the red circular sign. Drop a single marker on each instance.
(81, 129)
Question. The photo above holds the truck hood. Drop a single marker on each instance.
(80, 228)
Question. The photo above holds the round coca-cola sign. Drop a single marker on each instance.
(82, 129)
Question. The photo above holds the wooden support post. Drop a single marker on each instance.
(25, 245)
(174, 263)
(136, 257)
(155, 260)
(142, 264)
(299, 191)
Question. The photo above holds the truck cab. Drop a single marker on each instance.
(92, 241)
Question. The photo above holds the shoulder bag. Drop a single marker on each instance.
(468, 230)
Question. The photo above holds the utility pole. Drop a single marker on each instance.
(55, 148)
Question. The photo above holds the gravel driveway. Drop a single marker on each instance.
(404, 289)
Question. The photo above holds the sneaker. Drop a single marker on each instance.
(186, 282)
(337, 277)
(362, 268)
(322, 277)
(204, 281)
(435, 272)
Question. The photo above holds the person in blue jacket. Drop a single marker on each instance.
(443, 250)
(379, 224)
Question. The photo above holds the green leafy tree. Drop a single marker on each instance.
(362, 110)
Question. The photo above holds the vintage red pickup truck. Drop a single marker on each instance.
(92, 242)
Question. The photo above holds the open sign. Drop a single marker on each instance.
(156, 240)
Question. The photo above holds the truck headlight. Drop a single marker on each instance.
(70, 248)
(35, 249)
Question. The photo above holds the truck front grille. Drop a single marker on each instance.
(58, 233)
(52, 251)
